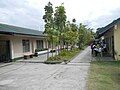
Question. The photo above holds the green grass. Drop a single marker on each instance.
(63, 55)
(104, 76)
(68, 55)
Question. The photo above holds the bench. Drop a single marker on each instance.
(27, 56)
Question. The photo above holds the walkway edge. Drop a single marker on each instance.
(5, 64)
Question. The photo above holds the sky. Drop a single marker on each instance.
(29, 13)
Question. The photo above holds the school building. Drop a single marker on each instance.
(15, 42)
(111, 35)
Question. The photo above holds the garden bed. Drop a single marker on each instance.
(63, 56)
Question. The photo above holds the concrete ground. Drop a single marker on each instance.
(40, 59)
(38, 76)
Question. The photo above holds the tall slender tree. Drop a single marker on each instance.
(60, 20)
(74, 29)
(49, 25)
(85, 35)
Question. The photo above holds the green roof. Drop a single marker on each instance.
(101, 31)
(4, 28)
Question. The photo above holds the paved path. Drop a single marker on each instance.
(38, 76)
(83, 57)
(40, 59)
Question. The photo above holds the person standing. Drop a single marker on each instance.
(92, 47)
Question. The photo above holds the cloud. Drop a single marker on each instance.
(104, 19)
(21, 14)
(29, 13)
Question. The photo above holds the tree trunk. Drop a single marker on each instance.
(52, 46)
(60, 43)
(56, 49)
(79, 44)
(67, 46)
(47, 49)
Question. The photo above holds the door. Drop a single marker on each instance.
(113, 52)
(4, 51)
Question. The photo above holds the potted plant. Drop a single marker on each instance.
(36, 54)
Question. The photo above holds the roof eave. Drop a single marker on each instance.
(30, 35)
(6, 33)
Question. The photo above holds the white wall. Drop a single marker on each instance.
(16, 44)
(117, 41)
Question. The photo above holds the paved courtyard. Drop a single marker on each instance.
(40, 59)
(38, 76)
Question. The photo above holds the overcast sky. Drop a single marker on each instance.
(29, 13)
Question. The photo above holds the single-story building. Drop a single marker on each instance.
(15, 42)
(111, 35)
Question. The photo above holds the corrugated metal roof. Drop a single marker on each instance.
(19, 30)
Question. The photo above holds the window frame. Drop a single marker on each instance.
(26, 45)
(39, 44)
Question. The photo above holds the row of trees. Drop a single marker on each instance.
(62, 32)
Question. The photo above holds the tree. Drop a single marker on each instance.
(85, 35)
(74, 29)
(60, 32)
(81, 35)
(66, 34)
(74, 20)
(60, 20)
(71, 33)
(49, 25)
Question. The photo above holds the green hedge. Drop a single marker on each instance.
(37, 50)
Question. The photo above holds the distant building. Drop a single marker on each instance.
(111, 34)
(15, 42)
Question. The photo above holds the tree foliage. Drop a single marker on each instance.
(62, 32)
(60, 21)
(49, 24)
(85, 35)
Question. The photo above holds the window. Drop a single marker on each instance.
(26, 45)
(39, 44)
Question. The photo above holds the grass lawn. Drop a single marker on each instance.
(104, 75)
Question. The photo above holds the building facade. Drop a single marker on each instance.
(111, 34)
(15, 42)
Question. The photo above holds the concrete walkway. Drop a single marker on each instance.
(38, 76)
(83, 57)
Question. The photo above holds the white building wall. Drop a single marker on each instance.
(117, 41)
(16, 46)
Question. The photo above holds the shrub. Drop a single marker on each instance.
(55, 58)
(64, 53)
(37, 50)
(52, 51)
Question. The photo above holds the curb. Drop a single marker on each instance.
(5, 64)
(31, 61)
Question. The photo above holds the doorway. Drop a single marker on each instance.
(113, 51)
(5, 51)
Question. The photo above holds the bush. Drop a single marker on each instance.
(37, 50)
(52, 51)
(64, 53)
(36, 54)
(54, 58)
